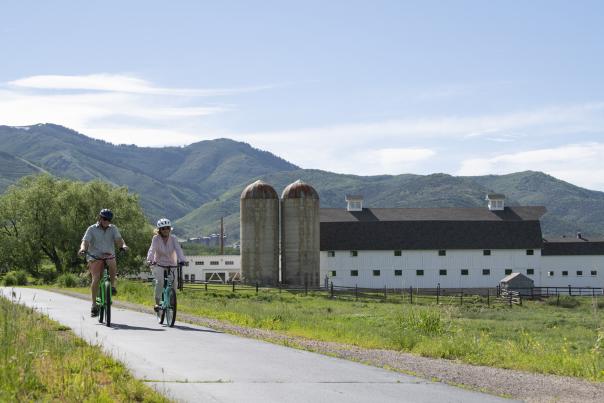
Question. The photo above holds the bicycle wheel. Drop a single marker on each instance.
(171, 310)
(108, 303)
(101, 309)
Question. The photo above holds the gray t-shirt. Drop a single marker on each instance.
(102, 241)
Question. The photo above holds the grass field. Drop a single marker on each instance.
(44, 361)
(535, 337)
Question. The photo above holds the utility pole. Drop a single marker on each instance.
(221, 236)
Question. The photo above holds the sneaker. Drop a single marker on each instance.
(113, 290)
(94, 311)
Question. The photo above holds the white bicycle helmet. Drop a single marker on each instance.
(164, 222)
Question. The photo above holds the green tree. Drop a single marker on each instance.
(42, 216)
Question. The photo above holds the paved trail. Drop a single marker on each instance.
(194, 363)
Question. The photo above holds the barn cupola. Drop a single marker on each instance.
(354, 202)
(495, 201)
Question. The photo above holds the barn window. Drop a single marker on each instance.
(594, 272)
(530, 252)
(486, 272)
(508, 272)
(333, 273)
(397, 253)
(579, 273)
(486, 252)
(186, 277)
(213, 262)
(376, 273)
(564, 273)
(419, 272)
(398, 272)
(192, 278)
(354, 253)
(229, 262)
(354, 273)
(550, 273)
(530, 272)
(198, 263)
(465, 272)
(442, 272)
(442, 252)
(331, 253)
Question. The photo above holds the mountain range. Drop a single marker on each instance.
(197, 184)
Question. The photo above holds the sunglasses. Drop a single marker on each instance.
(105, 219)
(163, 228)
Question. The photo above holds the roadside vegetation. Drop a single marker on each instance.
(42, 360)
(539, 336)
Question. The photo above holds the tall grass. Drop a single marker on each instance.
(42, 360)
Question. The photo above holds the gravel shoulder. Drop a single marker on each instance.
(529, 387)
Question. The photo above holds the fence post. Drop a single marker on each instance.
(510, 299)
(488, 297)
(305, 287)
(279, 285)
(461, 297)
(233, 286)
(570, 293)
(498, 290)
(593, 292)
(411, 294)
(206, 284)
(520, 299)
(256, 288)
(356, 292)
(385, 291)
(438, 294)
(557, 298)
(331, 287)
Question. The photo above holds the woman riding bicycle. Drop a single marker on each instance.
(100, 240)
(164, 251)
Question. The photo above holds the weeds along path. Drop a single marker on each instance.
(525, 386)
(196, 363)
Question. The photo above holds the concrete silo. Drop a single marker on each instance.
(300, 235)
(259, 229)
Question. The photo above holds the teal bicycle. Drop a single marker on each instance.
(167, 305)
(103, 299)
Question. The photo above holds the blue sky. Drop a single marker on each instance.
(380, 87)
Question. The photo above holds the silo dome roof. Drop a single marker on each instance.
(299, 190)
(259, 190)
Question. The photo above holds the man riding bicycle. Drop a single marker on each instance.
(100, 240)
(164, 251)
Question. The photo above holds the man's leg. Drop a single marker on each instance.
(96, 268)
(112, 270)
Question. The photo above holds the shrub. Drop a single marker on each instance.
(10, 279)
(68, 280)
(21, 277)
(565, 301)
(48, 275)
(13, 278)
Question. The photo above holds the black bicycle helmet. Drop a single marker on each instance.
(106, 213)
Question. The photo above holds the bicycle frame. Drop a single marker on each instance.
(167, 305)
(103, 298)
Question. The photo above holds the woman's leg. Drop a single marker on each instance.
(158, 274)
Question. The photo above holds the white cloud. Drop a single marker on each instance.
(119, 83)
(579, 164)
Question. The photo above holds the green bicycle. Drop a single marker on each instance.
(167, 306)
(103, 299)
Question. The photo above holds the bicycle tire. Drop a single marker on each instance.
(171, 310)
(101, 309)
(108, 303)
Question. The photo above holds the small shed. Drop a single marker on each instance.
(517, 282)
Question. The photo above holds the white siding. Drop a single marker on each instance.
(200, 266)
(431, 263)
(572, 264)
